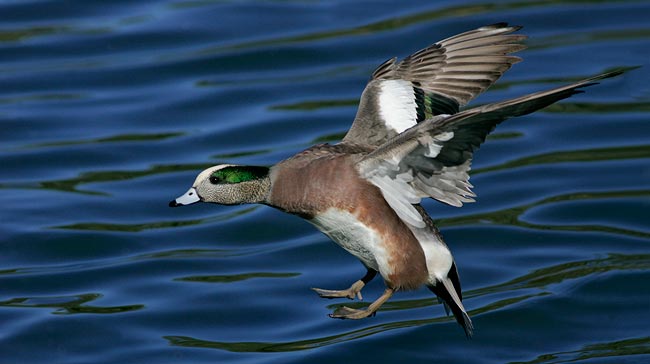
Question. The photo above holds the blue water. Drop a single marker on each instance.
(108, 109)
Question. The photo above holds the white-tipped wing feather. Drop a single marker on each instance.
(432, 159)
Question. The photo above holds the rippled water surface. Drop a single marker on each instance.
(108, 109)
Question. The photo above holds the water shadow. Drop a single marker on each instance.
(543, 277)
(400, 22)
(613, 349)
(511, 216)
(65, 305)
(567, 156)
(245, 153)
(120, 138)
(230, 278)
(94, 265)
(22, 34)
(136, 228)
(44, 97)
(72, 184)
(592, 36)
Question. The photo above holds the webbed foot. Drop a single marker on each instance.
(344, 312)
(351, 293)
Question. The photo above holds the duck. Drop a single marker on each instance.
(412, 139)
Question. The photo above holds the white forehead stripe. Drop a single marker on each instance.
(397, 104)
(207, 172)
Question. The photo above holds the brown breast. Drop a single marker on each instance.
(323, 177)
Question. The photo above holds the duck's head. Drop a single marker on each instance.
(228, 184)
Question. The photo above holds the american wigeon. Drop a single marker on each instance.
(409, 141)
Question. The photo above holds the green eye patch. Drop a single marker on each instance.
(238, 174)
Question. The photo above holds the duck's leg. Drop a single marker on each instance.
(355, 314)
(353, 291)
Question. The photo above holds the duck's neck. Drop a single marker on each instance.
(256, 191)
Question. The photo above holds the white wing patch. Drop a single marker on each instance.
(397, 105)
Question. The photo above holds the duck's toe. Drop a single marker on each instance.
(329, 293)
(344, 312)
(351, 293)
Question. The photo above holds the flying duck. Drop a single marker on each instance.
(409, 140)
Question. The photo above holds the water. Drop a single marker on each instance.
(109, 109)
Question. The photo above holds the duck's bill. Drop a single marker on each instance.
(188, 198)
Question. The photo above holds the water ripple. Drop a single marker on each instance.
(617, 350)
(66, 305)
(235, 277)
(538, 279)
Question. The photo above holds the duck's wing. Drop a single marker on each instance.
(432, 159)
(436, 80)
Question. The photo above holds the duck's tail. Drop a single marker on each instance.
(448, 292)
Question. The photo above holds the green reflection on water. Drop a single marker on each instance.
(236, 277)
(599, 108)
(72, 184)
(15, 35)
(135, 228)
(316, 104)
(585, 155)
(130, 228)
(562, 80)
(511, 216)
(584, 38)
(112, 139)
(247, 153)
(400, 22)
(69, 304)
(540, 278)
(190, 254)
(621, 348)
(41, 97)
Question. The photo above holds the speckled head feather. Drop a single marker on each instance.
(229, 184)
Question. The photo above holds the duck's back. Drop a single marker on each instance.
(318, 178)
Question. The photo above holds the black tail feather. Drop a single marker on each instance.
(446, 293)
(460, 315)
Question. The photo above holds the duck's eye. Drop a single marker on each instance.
(214, 180)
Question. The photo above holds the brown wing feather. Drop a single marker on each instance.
(436, 80)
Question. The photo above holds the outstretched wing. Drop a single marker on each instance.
(433, 158)
(436, 80)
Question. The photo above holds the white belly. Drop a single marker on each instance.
(348, 232)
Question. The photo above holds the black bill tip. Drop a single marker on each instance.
(173, 203)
